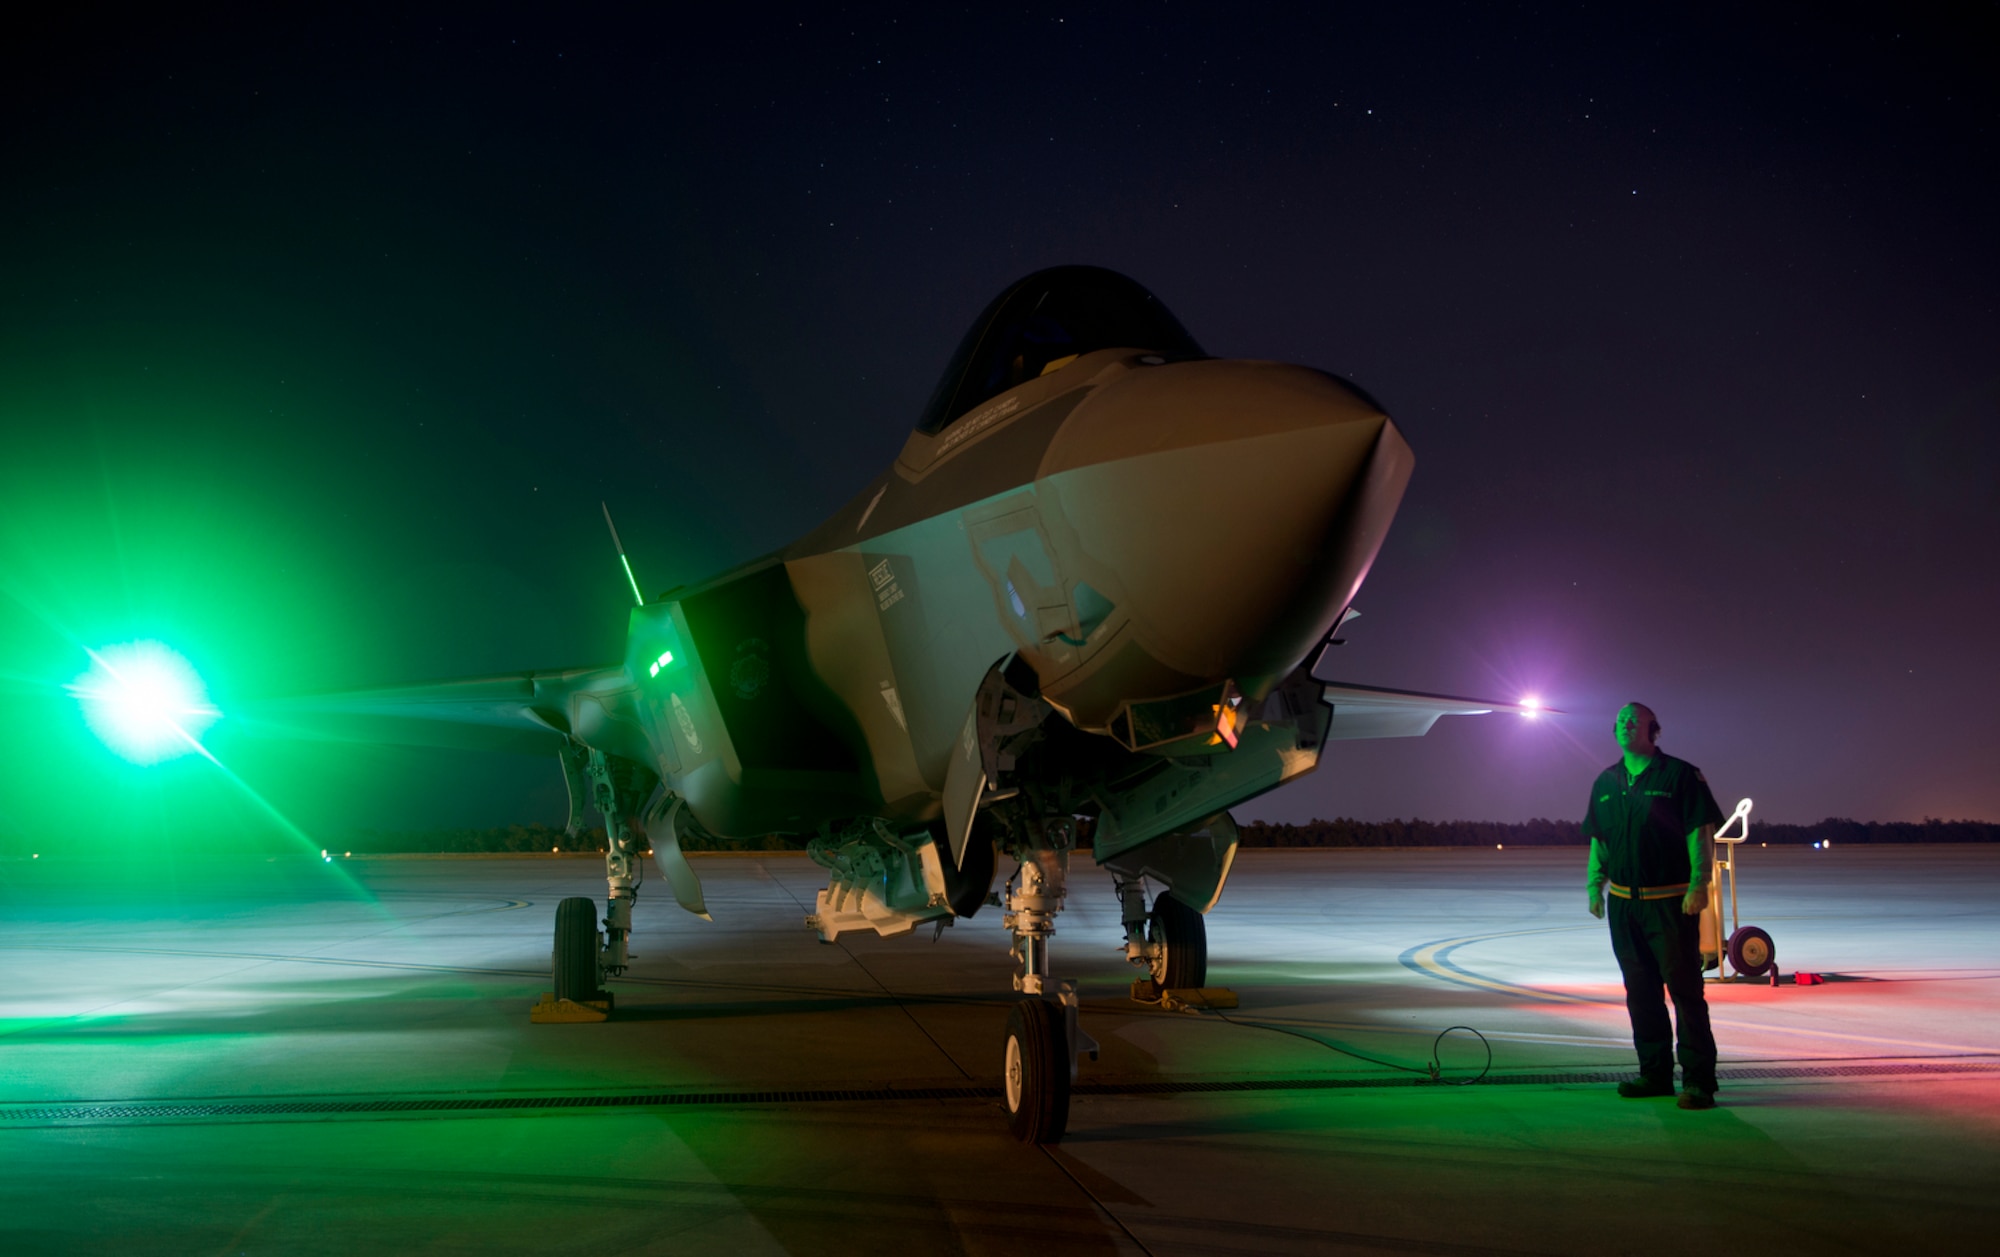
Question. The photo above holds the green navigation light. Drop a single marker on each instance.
(145, 701)
(666, 657)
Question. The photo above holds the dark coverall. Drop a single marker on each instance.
(1644, 825)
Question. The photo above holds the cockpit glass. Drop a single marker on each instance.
(1041, 323)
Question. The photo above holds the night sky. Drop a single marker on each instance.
(321, 342)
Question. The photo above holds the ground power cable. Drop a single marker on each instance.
(1433, 1071)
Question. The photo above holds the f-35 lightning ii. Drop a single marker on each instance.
(1080, 613)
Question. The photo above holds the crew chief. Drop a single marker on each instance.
(1650, 822)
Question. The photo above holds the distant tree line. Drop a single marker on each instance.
(529, 839)
(1346, 832)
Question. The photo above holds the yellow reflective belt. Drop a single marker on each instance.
(1648, 892)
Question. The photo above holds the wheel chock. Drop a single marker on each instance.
(552, 1011)
(1195, 999)
(1186, 999)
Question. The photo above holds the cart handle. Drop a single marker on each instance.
(1742, 813)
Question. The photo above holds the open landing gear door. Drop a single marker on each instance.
(1192, 864)
(1001, 710)
(964, 785)
(664, 821)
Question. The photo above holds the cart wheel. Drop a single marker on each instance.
(1751, 952)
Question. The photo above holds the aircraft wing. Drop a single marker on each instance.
(1365, 711)
(520, 711)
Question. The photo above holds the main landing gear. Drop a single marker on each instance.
(582, 957)
(1171, 941)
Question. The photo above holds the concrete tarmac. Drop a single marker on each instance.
(243, 1055)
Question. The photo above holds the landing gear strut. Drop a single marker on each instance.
(1043, 1039)
(583, 957)
(624, 836)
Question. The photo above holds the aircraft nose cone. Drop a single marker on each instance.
(1229, 510)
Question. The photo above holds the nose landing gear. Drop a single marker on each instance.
(1043, 1039)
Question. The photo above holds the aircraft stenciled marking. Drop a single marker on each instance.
(965, 429)
(887, 592)
(686, 723)
(895, 704)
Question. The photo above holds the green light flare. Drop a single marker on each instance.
(145, 701)
(666, 657)
(636, 595)
(149, 705)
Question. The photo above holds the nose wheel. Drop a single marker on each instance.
(1034, 1077)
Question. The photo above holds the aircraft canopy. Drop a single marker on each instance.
(1045, 320)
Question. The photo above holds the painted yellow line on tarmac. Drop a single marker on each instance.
(1426, 958)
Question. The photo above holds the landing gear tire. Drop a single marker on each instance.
(1034, 1078)
(575, 960)
(1180, 938)
(1751, 952)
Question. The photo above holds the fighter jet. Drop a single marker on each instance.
(1079, 615)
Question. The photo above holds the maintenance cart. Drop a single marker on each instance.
(1749, 952)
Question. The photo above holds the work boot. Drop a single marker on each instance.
(1642, 1088)
(1696, 1098)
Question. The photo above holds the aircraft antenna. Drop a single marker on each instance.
(620, 546)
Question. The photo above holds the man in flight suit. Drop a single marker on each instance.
(1650, 822)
